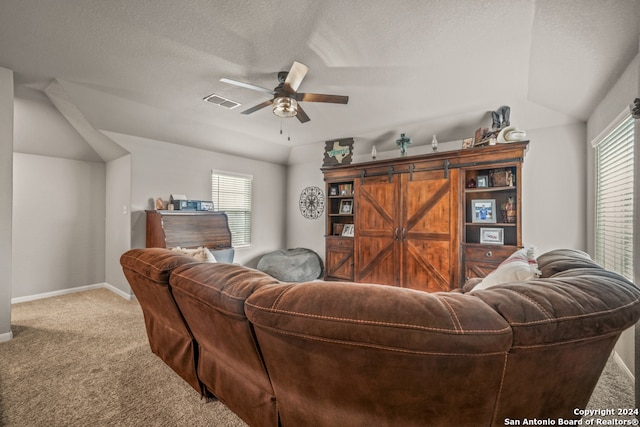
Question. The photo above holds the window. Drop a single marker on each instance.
(614, 198)
(231, 193)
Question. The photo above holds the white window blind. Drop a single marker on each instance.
(231, 193)
(614, 199)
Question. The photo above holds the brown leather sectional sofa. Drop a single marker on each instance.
(347, 354)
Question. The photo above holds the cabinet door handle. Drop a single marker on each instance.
(395, 234)
(404, 234)
(489, 254)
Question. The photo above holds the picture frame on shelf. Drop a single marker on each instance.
(492, 236)
(483, 181)
(346, 207)
(348, 230)
(337, 229)
(333, 190)
(483, 211)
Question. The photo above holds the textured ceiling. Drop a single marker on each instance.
(426, 66)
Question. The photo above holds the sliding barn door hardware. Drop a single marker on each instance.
(446, 166)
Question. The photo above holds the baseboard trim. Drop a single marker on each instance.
(623, 366)
(104, 285)
(6, 337)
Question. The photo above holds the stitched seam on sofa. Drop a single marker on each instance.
(452, 314)
(378, 347)
(276, 302)
(137, 260)
(532, 301)
(559, 343)
(207, 285)
(231, 314)
(374, 322)
(576, 316)
(499, 396)
(156, 268)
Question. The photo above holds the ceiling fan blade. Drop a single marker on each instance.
(301, 115)
(295, 76)
(257, 107)
(248, 86)
(318, 97)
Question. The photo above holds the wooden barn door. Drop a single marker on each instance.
(429, 230)
(377, 257)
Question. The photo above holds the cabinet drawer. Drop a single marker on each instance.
(340, 242)
(488, 254)
(480, 260)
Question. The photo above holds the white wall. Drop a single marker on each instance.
(58, 224)
(554, 211)
(6, 195)
(303, 232)
(160, 169)
(117, 220)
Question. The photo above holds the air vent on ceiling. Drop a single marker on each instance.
(221, 101)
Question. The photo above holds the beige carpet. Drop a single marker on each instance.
(83, 359)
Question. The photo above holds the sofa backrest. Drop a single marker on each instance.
(148, 271)
(343, 353)
(565, 326)
(211, 297)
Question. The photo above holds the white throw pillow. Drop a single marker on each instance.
(201, 254)
(520, 266)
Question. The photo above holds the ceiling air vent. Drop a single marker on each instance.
(221, 101)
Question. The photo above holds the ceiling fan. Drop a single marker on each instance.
(285, 96)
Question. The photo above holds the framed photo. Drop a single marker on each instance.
(492, 236)
(346, 206)
(483, 210)
(483, 181)
(348, 230)
(333, 190)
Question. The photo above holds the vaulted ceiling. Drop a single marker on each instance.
(143, 67)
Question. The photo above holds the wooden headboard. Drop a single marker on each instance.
(168, 229)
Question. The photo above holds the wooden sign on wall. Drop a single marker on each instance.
(338, 152)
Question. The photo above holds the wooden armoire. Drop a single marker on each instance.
(409, 221)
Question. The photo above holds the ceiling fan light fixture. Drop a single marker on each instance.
(285, 106)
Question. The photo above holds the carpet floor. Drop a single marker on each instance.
(83, 359)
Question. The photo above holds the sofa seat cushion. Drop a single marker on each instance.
(292, 265)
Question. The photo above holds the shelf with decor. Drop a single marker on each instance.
(339, 233)
(492, 227)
